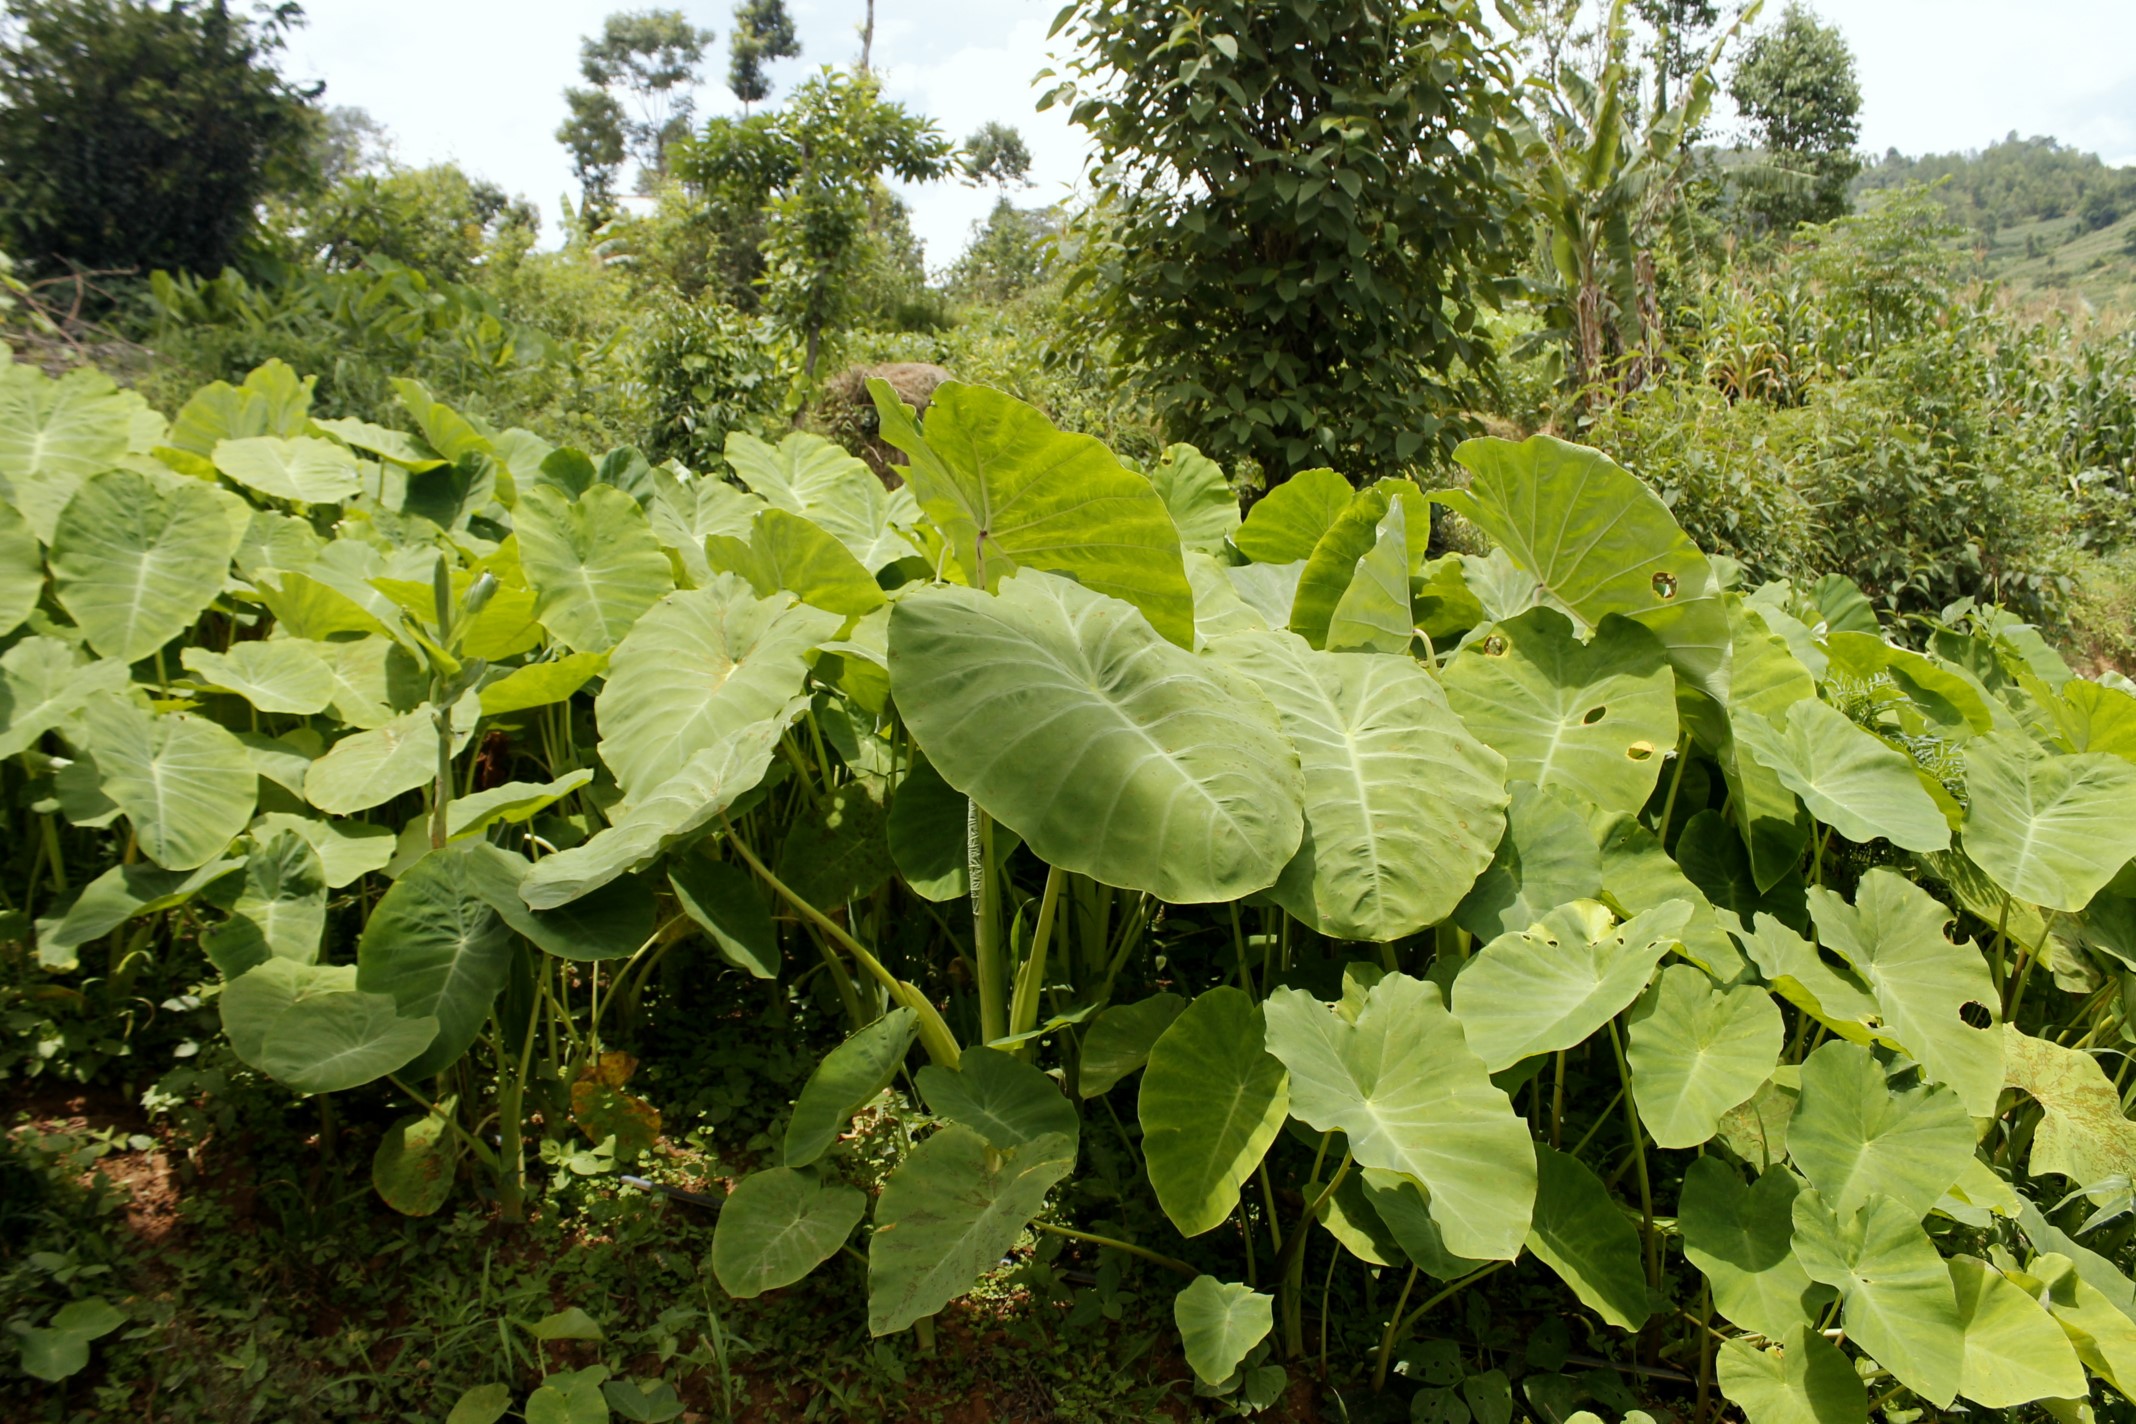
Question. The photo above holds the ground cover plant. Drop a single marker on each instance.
(1551, 979)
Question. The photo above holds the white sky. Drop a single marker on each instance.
(479, 81)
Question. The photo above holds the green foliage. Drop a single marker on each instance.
(1795, 89)
(134, 137)
(762, 31)
(1257, 254)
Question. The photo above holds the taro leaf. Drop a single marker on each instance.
(1285, 524)
(643, 1401)
(59, 1348)
(810, 476)
(834, 849)
(847, 1080)
(484, 1404)
(309, 1026)
(1198, 497)
(1333, 565)
(185, 783)
(698, 667)
(1372, 615)
(121, 893)
(1267, 589)
(928, 829)
(606, 1114)
(1009, 491)
(1348, 1215)
(1212, 1101)
(278, 675)
(395, 446)
(1403, 1086)
(541, 684)
(1579, 1233)
(592, 562)
(1545, 859)
(54, 434)
(1594, 719)
(366, 769)
(777, 1225)
(1893, 936)
(1402, 806)
(2050, 830)
(1697, 1051)
(1854, 782)
(2104, 1337)
(2083, 1134)
(724, 902)
(280, 909)
(285, 761)
(1404, 1207)
(348, 850)
(22, 573)
(610, 920)
(135, 563)
(447, 431)
(1713, 858)
(1119, 1040)
(785, 551)
(306, 470)
(511, 803)
(2014, 1351)
(1757, 1130)
(416, 1160)
(1600, 542)
(1854, 1135)
(1638, 875)
(1219, 1321)
(1742, 1238)
(1765, 678)
(2093, 717)
(1832, 994)
(1002, 1098)
(437, 950)
(1549, 987)
(1219, 608)
(947, 1215)
(1114, 754)
(650, 821)
(1897, 1301)
(43, 682)
(1805, 1380)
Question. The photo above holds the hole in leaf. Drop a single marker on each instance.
(1639, 751)
(1665, 585)
(1594, 715)
(1976, 1014)
(1493, 646)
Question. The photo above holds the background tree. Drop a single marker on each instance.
(593, 132)
(647, 59)
(1796, 91)
(996, 153)
(1304, 207)
(762, 31)
(810, 171)
(139, 137)
(1682, 30)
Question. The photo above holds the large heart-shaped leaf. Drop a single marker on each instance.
(1896, 1297)
(1410, 1096)
(436, 948)
(43, 682)
(309, 1026)
(1549, 987)
(1805, 1380)
(1219, 1321)
(1285, 524)
(1333, 567)
(2083, 1134)
(847, 1080)
(1119, 1040)
(1197, 495)
(347, 850)
(185, 783)
(1854, 1135)
(1009, 491)
(1403, 808)
(593, 564)
(1852, 781)
(1893, 936)
(22, 573)
(785, 551)
(1545, 859)
(1373, 613)
(1003, 1099)
(60, 1347)
(2050, 830)
(808, 475)
(54, 434)
(134, 563)
(1697, 1051)
(777, 1225)
(947, 1214)
(2014, 1351)
(699, 666)
(306, 470)
(1113, 753)
(1598, 541)
(413, 1168)
(1742, 1238)
(1212, 1101)
(278, 675)
(120, 894)
(280, 907)
(1764, 678)
(1594, 719)
(366, 769)
(727, 905)
(1580, 1233)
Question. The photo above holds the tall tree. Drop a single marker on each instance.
(593, 132)
(140, 137)
(647, 59)
(1304, 208)
(762, 31)
(1797, 93)
(996, 153)
(1682, 29)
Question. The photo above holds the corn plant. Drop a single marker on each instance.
(1748, 969)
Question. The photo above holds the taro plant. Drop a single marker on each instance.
(1258, 906)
